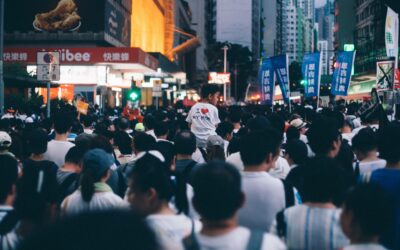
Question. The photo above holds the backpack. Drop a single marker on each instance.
(8, 222)
(188, 170)
(289, 194)
(66, 184)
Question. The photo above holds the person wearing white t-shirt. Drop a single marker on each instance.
(203, 116)
(365, 146)
(59, 147)
(265, 194)
(217, 198)
(150, 192)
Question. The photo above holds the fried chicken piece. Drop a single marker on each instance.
(64, 6)
(71, 21)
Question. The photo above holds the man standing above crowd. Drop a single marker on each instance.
(203, 116)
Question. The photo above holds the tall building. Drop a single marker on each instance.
(323, 48)
(271, 16)
(370, 32)
(235, 21)
(324, 18)
(345, 23)
(297, 28)
(198, 9)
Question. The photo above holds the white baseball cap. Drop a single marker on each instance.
(5, 139)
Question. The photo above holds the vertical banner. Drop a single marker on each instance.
(392, 35)
(267, 81)
(281, 68)
(312, 74)
(342, 74)
(385, 73)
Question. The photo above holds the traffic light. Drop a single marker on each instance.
(134, 94)
(303, 82)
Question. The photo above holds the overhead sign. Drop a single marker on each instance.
(342, 74)
(267, 81)
(157, 88)
(48, 66)
(385, 73)
(79, 56)
(311, 69)
(219, 78)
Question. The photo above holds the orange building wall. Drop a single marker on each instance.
(148, 26)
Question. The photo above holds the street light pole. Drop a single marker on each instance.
(1, 56)
(225, 49)
(236, 93)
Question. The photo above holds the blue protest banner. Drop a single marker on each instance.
(281, 68)
(311, 73)
(342, 74)
(267, 81)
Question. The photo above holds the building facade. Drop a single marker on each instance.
(323, 49)
(271, 27)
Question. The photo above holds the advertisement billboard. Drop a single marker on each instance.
(63, 19)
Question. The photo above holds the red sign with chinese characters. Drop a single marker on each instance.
(73, 56)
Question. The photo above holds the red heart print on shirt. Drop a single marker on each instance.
(204, 111)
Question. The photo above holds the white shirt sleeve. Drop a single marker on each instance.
(214, 117)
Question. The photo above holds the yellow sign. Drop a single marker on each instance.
(82, 107)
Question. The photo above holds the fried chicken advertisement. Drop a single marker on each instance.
(64, 17)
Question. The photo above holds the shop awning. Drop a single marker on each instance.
(133, 59)
(25, 82)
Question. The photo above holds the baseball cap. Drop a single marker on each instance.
(98, 162)
(298, 123)
(139, 127)
(5, 139)
(215, 140)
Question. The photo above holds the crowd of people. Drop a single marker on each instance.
(209, 177)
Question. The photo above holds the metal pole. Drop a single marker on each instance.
(48, 99)
(156, 102)
(236, 93)
(1, 56)
(225, 48)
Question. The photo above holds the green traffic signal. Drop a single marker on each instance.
(303, 82)
(134, 94)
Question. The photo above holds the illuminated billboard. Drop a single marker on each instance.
(63, 19)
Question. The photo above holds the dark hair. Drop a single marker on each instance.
(217, 190)
(209, 89)
(185, 143)
(123, 123)
(87, 121)
(258, 123)
(62, 122)
(110, 229)
(167, 149)
(256, 146)
(87, 183)
(161, 128)
(388, 142)
(370, 208)
(297, 151)
(224, 128)
(143, 142)
(292, 133)
(235, 114)
(322, 133)
(322, 180)
(36, 189)
(278, 123)
(102, 142)
(150, 172)
(75, 155)
(124, 142)
(76, 127)
(365, 140)
(149, 122)
(234, 146)
(8, 175)
(37, 142)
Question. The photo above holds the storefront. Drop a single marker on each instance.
(98, 74)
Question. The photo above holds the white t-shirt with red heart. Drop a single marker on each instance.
(204, 119)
